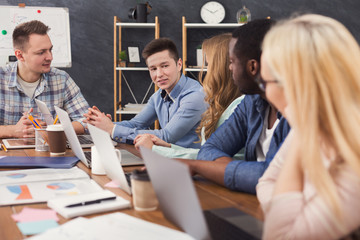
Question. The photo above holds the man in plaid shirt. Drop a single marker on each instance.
(30, 78)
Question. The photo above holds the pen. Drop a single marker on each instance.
(56, 119)
(90, 202)
(3, 146)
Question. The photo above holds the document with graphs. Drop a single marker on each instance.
(41, 185)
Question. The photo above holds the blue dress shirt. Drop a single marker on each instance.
(179, 114)
(243, 129)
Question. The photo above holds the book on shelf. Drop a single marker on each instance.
(133, 106)
(199, 67)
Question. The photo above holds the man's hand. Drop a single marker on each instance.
(190, 163)
(143, 140)
(212, 170)
(24, 128)
(99, 119)
(159, 142)
(97, 109)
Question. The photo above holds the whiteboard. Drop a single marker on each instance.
(56, 18)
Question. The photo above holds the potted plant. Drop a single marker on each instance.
(122, 58)
(243, 15)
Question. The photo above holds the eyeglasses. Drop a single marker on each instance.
(262, 83)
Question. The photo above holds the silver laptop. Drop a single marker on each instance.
(45, 111)
(84, 140)
(176, 193)
(127, 158)
(109, 158)
(72, 137)
(179, 203)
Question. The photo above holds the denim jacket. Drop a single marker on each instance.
(243, 129)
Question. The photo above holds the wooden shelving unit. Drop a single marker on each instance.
(118, 71)
(185, 27)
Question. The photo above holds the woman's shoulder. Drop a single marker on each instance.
(236, 102)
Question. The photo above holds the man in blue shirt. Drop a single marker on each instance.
(178, 104)
(255, 124)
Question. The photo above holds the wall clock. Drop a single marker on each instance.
(212, 12)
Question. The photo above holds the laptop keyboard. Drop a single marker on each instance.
(88, 157)
(230, 224)
(128, 178)
(84, 140)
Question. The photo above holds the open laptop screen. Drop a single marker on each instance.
(179, 202)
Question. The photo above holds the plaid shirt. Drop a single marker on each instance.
(56, 88)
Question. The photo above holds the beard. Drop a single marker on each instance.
(248, 84)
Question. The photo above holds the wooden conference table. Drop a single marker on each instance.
(211, 196)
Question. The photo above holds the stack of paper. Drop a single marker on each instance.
(40, 185)
(134, 107)
(112, 226)
(33, 220)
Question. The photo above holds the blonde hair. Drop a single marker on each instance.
(218, 84)
(317, 60)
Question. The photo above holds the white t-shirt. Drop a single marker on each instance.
(262, 146)
(28, 88)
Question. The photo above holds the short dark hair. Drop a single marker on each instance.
(249, 39)
(159, 45)
(22, 32)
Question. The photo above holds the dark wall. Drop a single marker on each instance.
(91, 26)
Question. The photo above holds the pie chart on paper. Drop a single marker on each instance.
(16, 175)
(61, 186)
(22, 191)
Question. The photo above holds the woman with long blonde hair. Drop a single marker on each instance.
(311, 190)
(220, 93)
(220, 90)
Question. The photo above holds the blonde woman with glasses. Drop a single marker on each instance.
(311, 190)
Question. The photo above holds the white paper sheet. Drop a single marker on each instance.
(40, 185)
(112, 226)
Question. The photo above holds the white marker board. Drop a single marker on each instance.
(56, 18)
